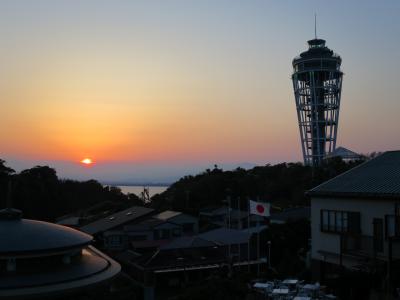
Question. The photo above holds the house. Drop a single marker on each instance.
(233, 218)
(292, 214)
(110, 230)
(355, 220)
(190, 259)
(140, 228)
(150, 234)
(189, 224)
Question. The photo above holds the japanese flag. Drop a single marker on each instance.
(259, 208)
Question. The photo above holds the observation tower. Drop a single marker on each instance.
(317, 84)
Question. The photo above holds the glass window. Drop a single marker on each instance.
(176, 232)
(325, 220)
(345, 222)
(339, 218)
(338, 221)
(165, 234)
(188, 227)
(390, 226)
(332, 221)
(115, 240)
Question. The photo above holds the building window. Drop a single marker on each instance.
(392, 228)
(397, 209)
(114, 240)
(165, 234)
(340, 221)
(176, 232)
(138, 238)
(188, 227)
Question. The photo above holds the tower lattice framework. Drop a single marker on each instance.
(317, 84)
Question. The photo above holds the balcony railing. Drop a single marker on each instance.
(370, 247)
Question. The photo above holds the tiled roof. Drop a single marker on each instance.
(116, 219)
(166, 215)
(187, 242)
(378, 178)
(225, 236)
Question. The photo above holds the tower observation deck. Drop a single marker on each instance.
(317, 84)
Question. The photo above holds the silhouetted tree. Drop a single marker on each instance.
(40, 194)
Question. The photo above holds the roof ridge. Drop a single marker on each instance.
(344, 173)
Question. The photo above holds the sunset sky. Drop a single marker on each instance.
(152, 90)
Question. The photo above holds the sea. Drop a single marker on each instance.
(137, 189)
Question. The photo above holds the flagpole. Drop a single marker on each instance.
(258, 245)
(248, 235)
(229, 226)
(239, 227)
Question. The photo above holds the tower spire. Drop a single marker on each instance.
(315, 25)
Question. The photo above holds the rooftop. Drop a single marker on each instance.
(116, 219)
(345, 153)
(40, 259)
(225, 236)
(166, 215)
(22, 236)
(376, 178)
(187, 242)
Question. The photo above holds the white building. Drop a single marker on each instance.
(354, 219)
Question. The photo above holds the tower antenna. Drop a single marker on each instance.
(315, 25)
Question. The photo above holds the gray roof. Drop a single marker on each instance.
(149, 224)
(345, 153)
(225, 236)
(292, 214)
(235, 213)
(376, 178)
(187, 242)
(116, 219)
(26, 236)
(166, 215)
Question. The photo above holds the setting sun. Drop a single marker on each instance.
(87, 161)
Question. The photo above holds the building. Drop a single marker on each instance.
(140, 228)
(317, 84)
(292, 214)
(346, 154)
(152, 233)
(229, 218)
(158, 230)
(47, 261)
(110, 231)
(189, 224)
(190, 259)
(355, 220)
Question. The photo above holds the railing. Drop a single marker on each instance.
(370, 247)
(359, 245)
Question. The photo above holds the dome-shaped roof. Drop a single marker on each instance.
(23, 236)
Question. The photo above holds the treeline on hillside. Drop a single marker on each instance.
(283, 185)
(40, 194)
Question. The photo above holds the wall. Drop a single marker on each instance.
(330, 242)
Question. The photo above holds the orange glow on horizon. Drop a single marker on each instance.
(87, 161)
